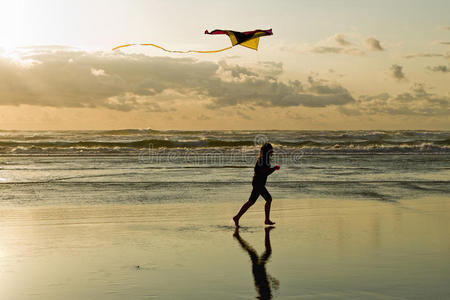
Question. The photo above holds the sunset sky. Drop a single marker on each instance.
(329, 65)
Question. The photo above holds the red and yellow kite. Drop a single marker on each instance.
(249, 39)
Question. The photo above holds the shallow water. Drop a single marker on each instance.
(41, 180)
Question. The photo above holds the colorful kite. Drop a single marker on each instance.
(249, 39)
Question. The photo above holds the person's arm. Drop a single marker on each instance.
(266, 171)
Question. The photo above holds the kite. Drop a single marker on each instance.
(249, 39)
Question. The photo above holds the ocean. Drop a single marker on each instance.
(146, 166)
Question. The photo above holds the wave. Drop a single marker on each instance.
(219, 143)
(133, 140)
(140, 144)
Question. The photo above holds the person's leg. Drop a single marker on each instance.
(266, 195)
(252, 199)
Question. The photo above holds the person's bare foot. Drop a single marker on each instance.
(268, 222)
(236, 221)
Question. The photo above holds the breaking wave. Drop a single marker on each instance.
(134, 140)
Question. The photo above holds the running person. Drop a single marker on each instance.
(262, 170)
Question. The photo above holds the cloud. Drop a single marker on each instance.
(72, 78)
(243, 115)
(294, 115)
(429, 55)
(339, 44)
(374, 44)
(417, 102)
(441, 43)
(337, 50)
(439, 68)
(95, 72)
(260, 92)
(336, 44)
(324, 49)
(203, 117)
(78, 79)
(396, 72)
(424, 55)
(340, 39)
(236, 72)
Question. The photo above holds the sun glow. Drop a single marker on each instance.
(11, 22)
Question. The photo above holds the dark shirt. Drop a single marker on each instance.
(262, 170)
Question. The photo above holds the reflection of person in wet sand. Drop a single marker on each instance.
(259, 265)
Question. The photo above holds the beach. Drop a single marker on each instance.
(96, 220)
(321, 249)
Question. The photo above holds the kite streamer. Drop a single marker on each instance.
(249, 39)
(174, 51)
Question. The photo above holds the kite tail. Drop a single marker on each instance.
(174, 51)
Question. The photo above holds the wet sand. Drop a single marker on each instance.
(319, 249)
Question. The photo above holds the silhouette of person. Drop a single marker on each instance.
(262, 170)
(260, 275)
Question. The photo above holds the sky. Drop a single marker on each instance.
(330, 65)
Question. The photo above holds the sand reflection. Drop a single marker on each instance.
(263, 280)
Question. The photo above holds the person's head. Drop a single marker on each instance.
(266, 152)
